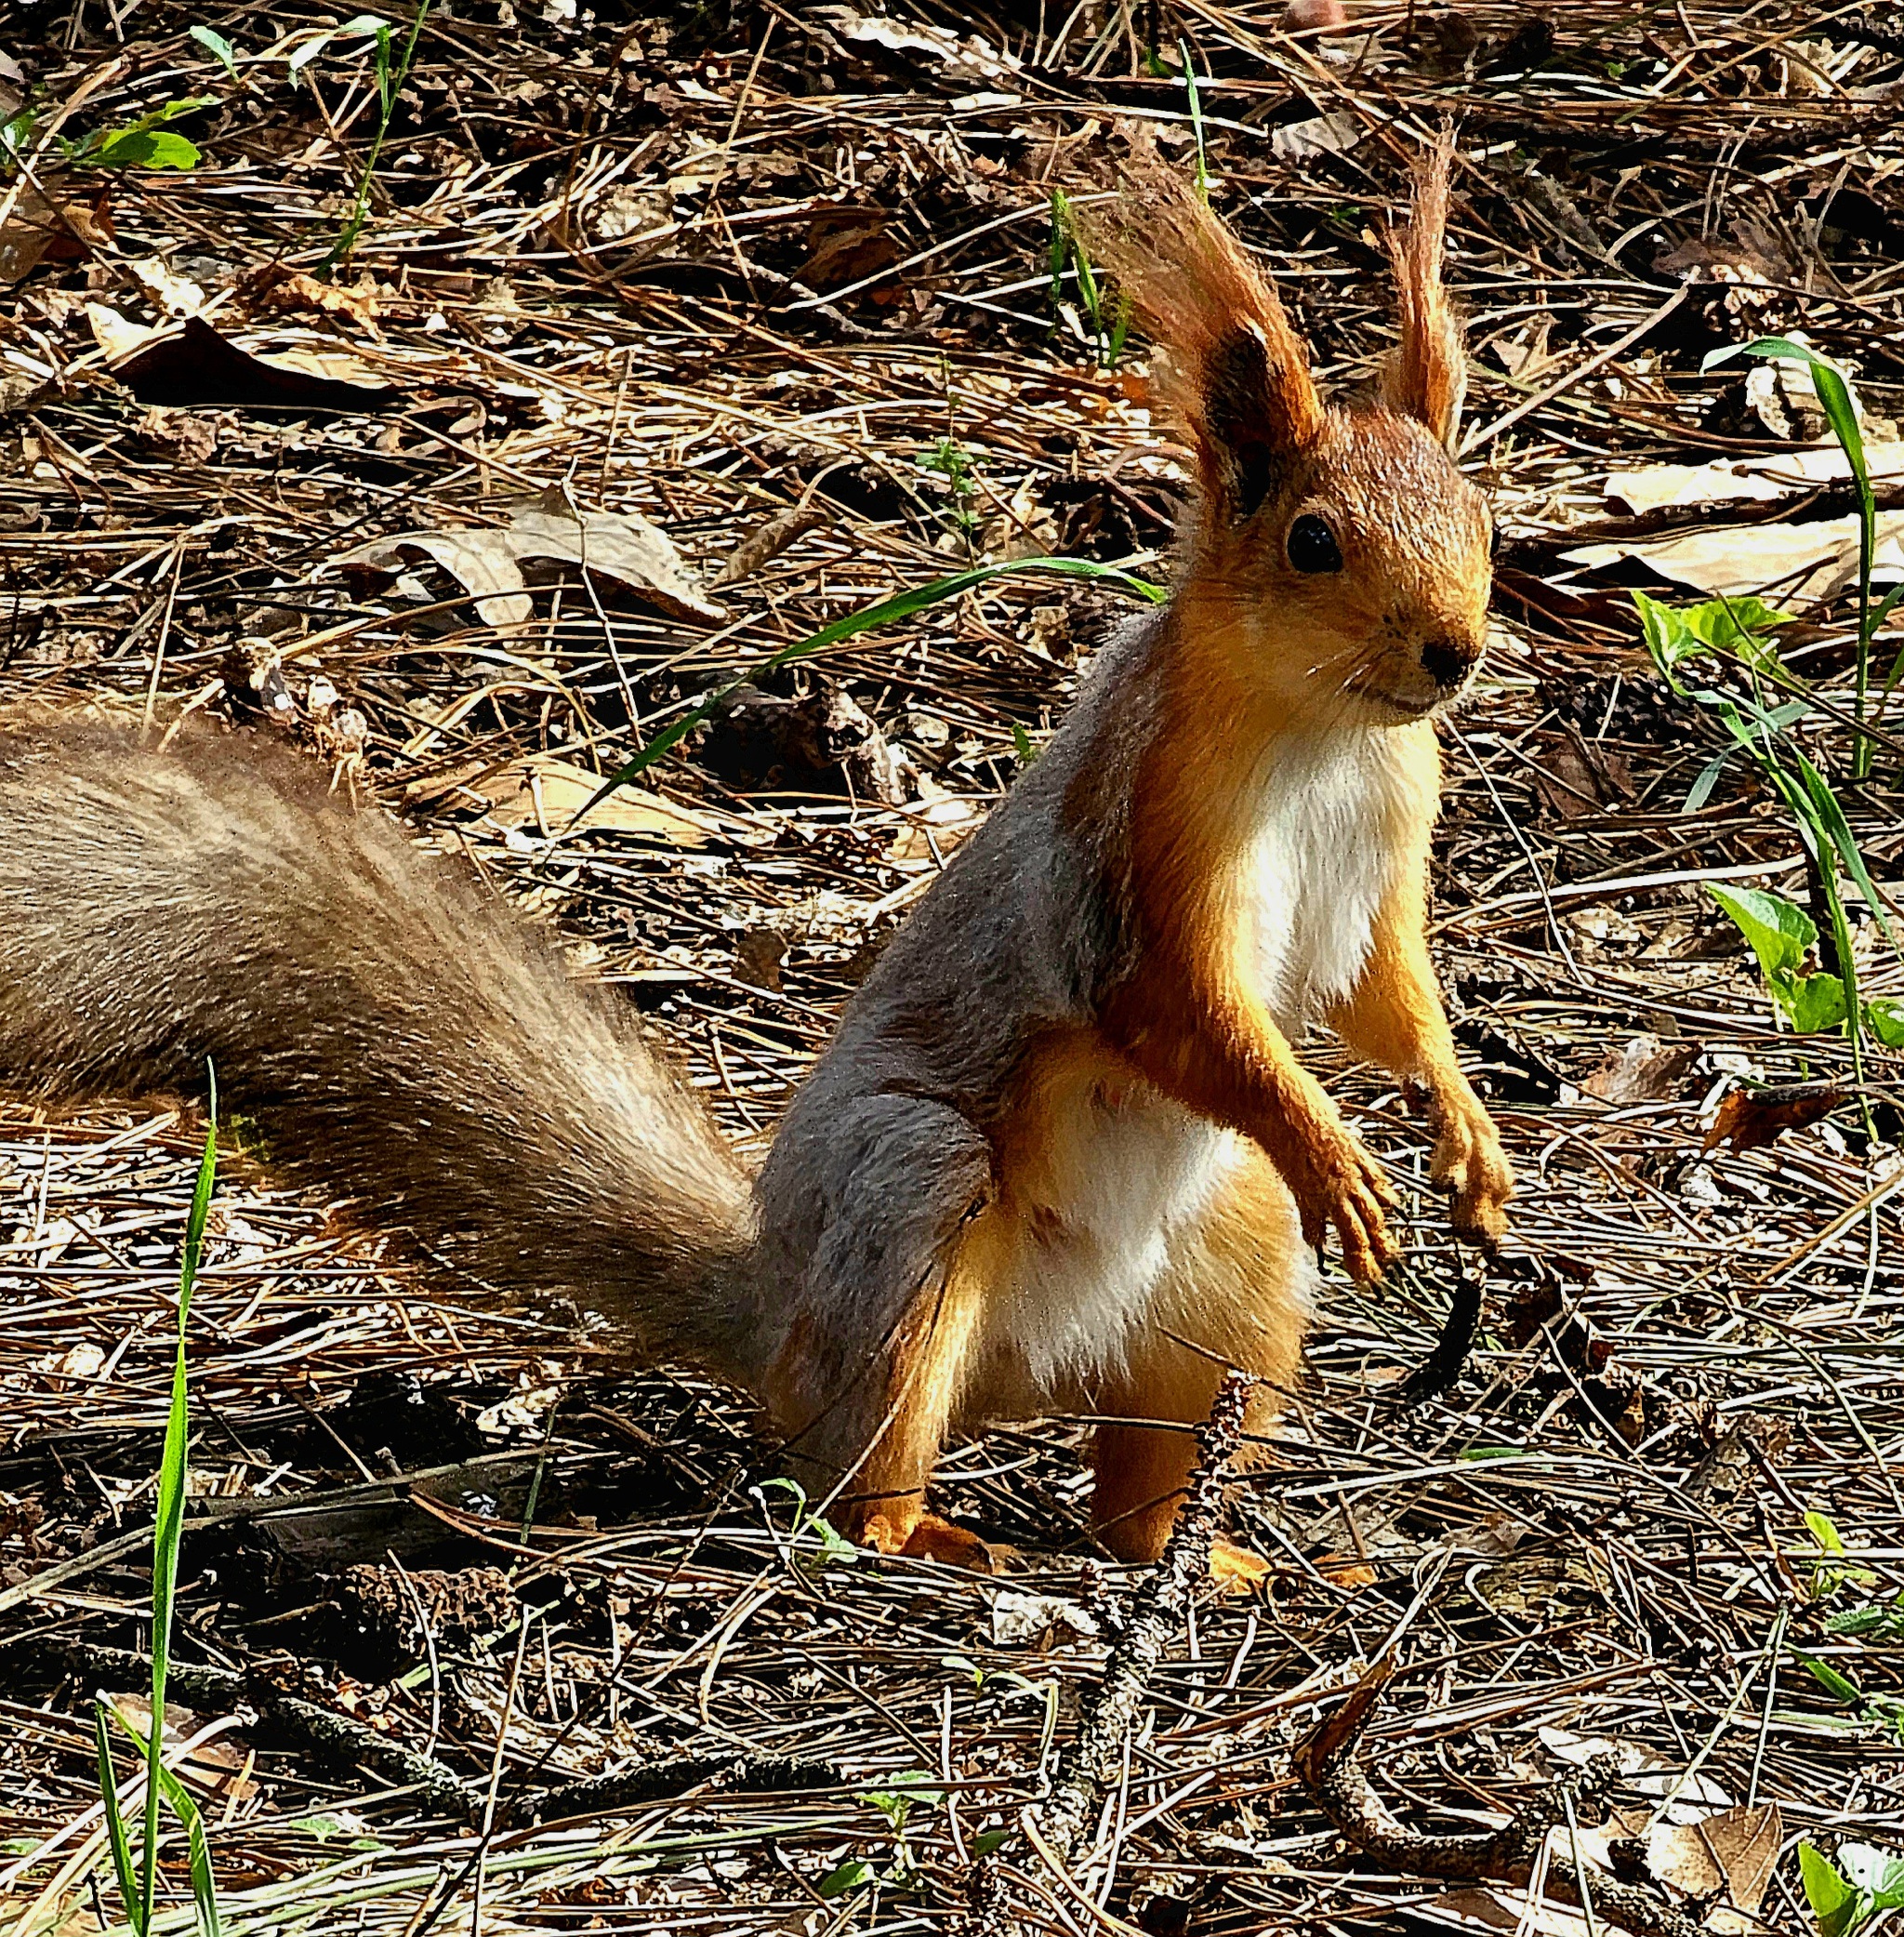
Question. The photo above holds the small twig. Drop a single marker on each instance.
(1092, 1762)
(655, 1782)
(1096, 1754)
(1330, 1769)
(1443, 1365)
(340, 1739)
(336, 1738)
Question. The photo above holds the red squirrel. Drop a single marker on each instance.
(1061, 1155)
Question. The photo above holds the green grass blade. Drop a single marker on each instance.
(1877, 621)
(1060, 248)
(1701, 789)
(1841, 413)
(901, 605)
(170, 1519)
(115, 1823)
(178, 1797)
(1834, 393)
(205, 1888)
(1195, 121)
(1830, 819)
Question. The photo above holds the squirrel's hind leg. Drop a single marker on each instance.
(1238, 1284)
(891, 1309)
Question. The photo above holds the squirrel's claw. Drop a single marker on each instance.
(1352, 1193)
(1469, 1162)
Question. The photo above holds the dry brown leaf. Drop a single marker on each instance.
(1657, 486)
(973, 56)
(758, 955)
(210, 1767)
(172, 294)
(1325, 134)
(941, 823)
(194, 365)
(481, 561)
(489, 562)
(1643, 1071)
(1576, 776)
(617, 544)
(1748, 1119)
(1734, 1852)
(41, 230)
(1346, 1573)
(276, 287)
(548, 792)
(1802, 560)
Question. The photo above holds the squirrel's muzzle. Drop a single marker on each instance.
(1449, 661)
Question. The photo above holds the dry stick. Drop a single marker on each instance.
(1443, 1365)
(337, 1739)
(1331, 1771)
(341, 1740)
(1094, 1761)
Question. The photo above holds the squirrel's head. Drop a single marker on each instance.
(1338, 546)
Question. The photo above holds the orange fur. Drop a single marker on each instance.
(1191, 1019)
(1427, 378)
(1195, 288)
(926, 1374)
(1393, 1016)
(1227, 1299)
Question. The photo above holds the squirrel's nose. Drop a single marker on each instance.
(1448, 661)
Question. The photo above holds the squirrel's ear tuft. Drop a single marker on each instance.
(1427, 376)
(1238, 374)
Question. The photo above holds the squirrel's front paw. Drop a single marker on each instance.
(1340, 1184)
(1469, 1161)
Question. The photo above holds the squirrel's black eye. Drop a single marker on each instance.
(1312, 546)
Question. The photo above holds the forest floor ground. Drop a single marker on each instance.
(768, 294)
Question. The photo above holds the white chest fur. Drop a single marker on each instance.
(1121, 1178)
(1331, 816)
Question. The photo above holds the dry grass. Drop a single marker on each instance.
(733, 267)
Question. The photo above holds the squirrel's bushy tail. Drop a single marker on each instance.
(394, 1035)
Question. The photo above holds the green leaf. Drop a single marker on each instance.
(1732, 626)
(1780, 933)
(1834, 1899)
(1830, 816)
(215, 43)
(1813, 1003)
(143, 148)
(1021, 744)
(1884, 1019)
(849, 1876)
(301, 57)
(115, 1823)
(18, 130)
(986, 1840)
(1669, 638)
(1834, 1681)
(1824, 1532)
(908, 1792)
(900, 605)
(1701, 789)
